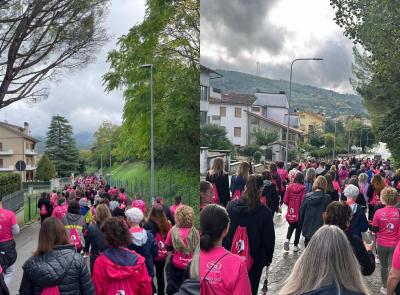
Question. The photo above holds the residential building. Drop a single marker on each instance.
(309, 120)
(205, 90)
(17, 145)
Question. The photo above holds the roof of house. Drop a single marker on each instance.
(271, 100)
(234, 98)
(294, 120)
(17, 130)
(273, 122)
(208, 70)
(319, 116)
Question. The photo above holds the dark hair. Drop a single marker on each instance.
(157, 215)
(329, 187)
(354, 181)
(122, 190)
(337, 213)
(204, 186)
(52, 233)
(116, 232)
(178, 200)
(266, 175)
(272, 167)
(299, 178)
(74, 207)
(43, 195)
(280, 164)
(251, 196)
(213, 221)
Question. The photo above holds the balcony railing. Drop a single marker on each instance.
(8, 152)
(9, 168)
(30, 152)
(30, 167)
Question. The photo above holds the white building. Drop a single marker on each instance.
(205, 75)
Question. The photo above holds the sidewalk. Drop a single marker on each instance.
(26, 243)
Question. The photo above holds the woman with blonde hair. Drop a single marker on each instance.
(220, 182)
(363, 185)
(309, 179)
(313, 206)
(373, 195)
(326, 270)
(386, 224)
(238, 181)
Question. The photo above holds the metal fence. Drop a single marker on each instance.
(14, 201)
(31, 210)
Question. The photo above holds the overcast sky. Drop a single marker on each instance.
(235, 34)
(80, 97)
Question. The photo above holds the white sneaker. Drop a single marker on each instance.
(383, 290)
(377, 261)
(286, 246)
(296, 249)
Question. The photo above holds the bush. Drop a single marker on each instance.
(248, 150)
(45, 169)
(9, 183)
(257, 157)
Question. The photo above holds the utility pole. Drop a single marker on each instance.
(258, 65)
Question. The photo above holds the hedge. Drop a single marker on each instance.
(9, 183)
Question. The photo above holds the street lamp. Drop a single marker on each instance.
(151, 130)
(109, 140)
(290, 94)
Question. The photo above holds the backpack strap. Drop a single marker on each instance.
(204, 279)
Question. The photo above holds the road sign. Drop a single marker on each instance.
(20, 166)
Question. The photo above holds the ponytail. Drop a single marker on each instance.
(213, 222)
(251, 195)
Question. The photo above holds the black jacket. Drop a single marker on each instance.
(311, 210)
(222, 184)
(271, 194)
(365, 258)
(95, 240)
(359, 222)
(237, 183)
(331, 290)
(62, 267)
(145, 244)
(189, 287)
(260, 230)
(46, 202)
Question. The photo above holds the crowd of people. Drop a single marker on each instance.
(94, 240)
(347, 210)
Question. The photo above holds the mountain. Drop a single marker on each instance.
(84, 141)
(304, 97)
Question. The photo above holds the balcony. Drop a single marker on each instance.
(30, 167)
(9, 152)
(7, 169)
(29, 152)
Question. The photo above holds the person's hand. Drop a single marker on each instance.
(368, 247)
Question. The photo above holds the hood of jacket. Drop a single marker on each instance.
(139, 238)
(331, 290)
(315, 198)
(72, 218)
(297, 188)
(50, 268)
(121, 263)
(189, 287)
(240, 207)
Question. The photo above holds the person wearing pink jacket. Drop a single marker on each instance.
(221, 272)
(293, 198)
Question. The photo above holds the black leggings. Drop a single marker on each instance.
(255, 276)
(292, 227)
(174, 278)
(160, 265)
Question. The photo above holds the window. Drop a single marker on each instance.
(1, 163)
(215, 118)
(203, 92)
(27, 145)
(238, 112)
(203, 118)
(255, 109)
(237, 132)
(1, 146)
(222, 111)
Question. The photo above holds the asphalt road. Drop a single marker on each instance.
(279, 270)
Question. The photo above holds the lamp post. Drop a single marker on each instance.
(109, 140)
(151, 131)
(290, 94)
(334, 142)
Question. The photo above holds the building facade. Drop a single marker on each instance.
(205, 91)
(309, 121)
(17, 145)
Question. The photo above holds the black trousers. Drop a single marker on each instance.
(292, 227)
(174, 278)
(160, 266)
(255, 276)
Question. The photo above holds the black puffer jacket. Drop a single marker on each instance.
(62, 267)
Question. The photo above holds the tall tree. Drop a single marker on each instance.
(40, 38)
(45, 169)
(61, 147)
(168, 38)
(214, 137)
(105, 140)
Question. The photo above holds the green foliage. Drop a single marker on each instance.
(292, 155)
(168, 38)
(315, 137)
(257, 157)
(326, 153)
(329, 139)
(61, 148)
(306, 98)
(263, 137)
(248, 150)
(214, 137)
(9, 183)
(330, 127)
(45, 169)
(373, 25)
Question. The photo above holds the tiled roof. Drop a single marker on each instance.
(271, 100)
(273, 122)
(18, 130)
(234, 98)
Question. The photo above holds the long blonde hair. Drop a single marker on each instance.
(217, 167)
(321, 266)
(244, 170)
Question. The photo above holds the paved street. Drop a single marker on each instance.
(281, 266)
